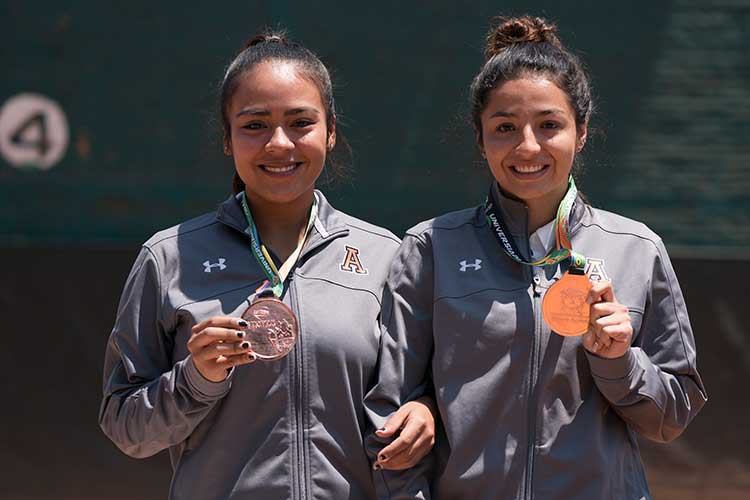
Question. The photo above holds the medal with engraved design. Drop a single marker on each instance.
(564, 305)
(271, 328)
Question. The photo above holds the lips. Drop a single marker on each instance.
(280, 168)
(529, 170)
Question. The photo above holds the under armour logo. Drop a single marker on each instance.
(219, 264)
(477, 265)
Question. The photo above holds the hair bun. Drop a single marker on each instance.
(266, 37)
(512, 30)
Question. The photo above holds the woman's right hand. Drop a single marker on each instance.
(217, 344)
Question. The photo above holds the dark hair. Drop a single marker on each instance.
(525, 45)
(274, 46)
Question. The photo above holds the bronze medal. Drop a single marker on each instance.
(271, 328)
(564, 306)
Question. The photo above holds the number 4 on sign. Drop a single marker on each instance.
(33, 131)
(32, 134)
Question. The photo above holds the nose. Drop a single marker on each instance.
(279, 141)
(529, 145)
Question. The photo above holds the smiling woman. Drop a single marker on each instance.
(227, 349)
(544, 370)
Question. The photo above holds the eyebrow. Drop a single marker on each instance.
(265, 112)
(544, 112)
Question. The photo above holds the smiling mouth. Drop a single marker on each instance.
(530, 170)
(280, 169)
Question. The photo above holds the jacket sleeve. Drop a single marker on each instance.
(403, 362)
(655, 387)
(150, 402)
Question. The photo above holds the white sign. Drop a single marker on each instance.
(33, 131)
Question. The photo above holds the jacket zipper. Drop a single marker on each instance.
(299, 468)
(533, 380)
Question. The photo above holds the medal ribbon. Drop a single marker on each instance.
(563, 249)
(276, 277)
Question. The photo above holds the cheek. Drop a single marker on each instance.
(314, 143)
(563, 148)
(244, 147)
(495, 150)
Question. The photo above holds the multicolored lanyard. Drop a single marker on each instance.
(563, 249)
(276, 277)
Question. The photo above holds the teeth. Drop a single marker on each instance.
(280, 170)
(527, 169)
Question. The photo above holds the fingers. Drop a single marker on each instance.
(213, 335)
(415, 440)
(403, 442)
(227, 362)
(221, 322)
(394, 423)
(226, 349)
(610, 331)
(601, 291)
(619, 333)
(216, 329)
(405, 452)
(602, 309)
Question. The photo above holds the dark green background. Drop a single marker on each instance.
(138, 83)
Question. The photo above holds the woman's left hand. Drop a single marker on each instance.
(415, 424)
(610, 331)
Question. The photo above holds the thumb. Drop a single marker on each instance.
(393, 424)
(601, 291)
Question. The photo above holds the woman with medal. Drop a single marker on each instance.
(554, 333)
(276, 279)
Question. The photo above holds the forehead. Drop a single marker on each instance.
(275, 85)
(528, 95)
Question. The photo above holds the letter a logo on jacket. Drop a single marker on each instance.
(351, 263)
(595, 270)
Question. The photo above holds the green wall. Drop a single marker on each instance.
(138, 86)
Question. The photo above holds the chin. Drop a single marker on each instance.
(278, 197)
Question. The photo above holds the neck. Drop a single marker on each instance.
(281, 225)
(544, 209)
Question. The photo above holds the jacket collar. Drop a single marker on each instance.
(515, 212)
(328, 225)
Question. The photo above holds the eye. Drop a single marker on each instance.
(506, 127)
(550, 124)
(253, 126)
(303, 122)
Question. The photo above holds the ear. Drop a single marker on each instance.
(480, 143)
(227, 145)
(331, 139)
(581, 136)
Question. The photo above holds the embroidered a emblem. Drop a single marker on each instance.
(351, 263)
(220, 265)
(476, 266)
(595, 270)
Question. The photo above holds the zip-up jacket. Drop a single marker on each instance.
(289, 428)
(526, 413)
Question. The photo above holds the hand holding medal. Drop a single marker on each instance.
(610, 331)
(217, 344)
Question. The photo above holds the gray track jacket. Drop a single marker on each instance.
(526, 413)
(290, 428)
